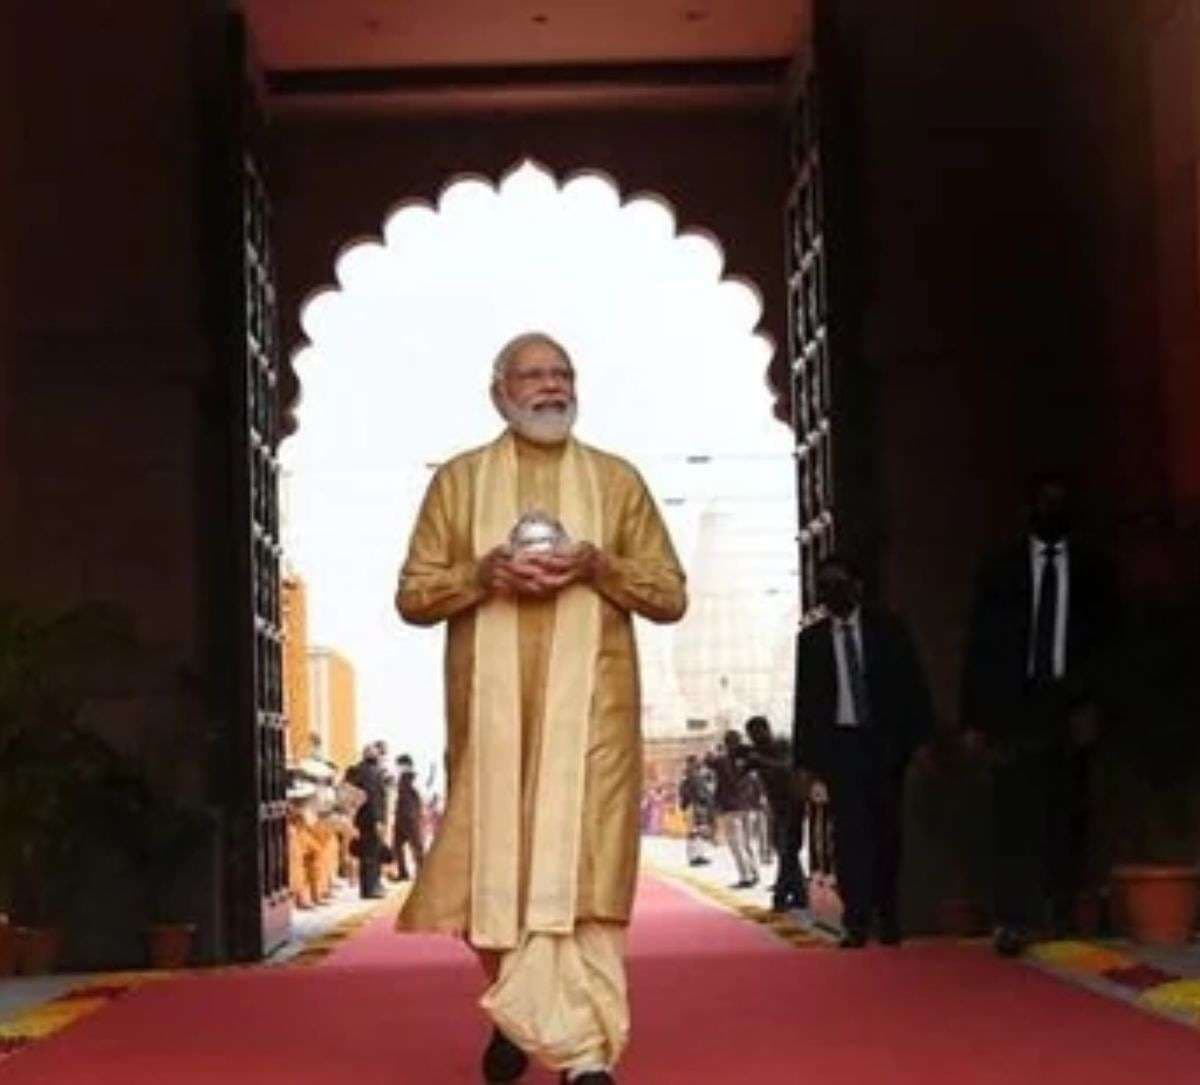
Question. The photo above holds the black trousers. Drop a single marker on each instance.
(787, 830)
(370, 860)
(410, 836)
(1040, 843)
(866, 798)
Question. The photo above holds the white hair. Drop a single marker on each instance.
(517, 344)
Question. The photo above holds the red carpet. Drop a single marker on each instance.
(716, 1000)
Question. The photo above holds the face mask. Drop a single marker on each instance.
(841, 598)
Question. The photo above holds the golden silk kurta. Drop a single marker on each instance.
(438, 582)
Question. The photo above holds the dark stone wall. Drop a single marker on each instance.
(1002, 246)
(103, 333)
(1172, 30)
(1022, 243)
(106, 369)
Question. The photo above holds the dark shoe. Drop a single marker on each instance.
(374, 894)
(889, 935)
(1009, 941)
(852, 940)
(742, 884)
(503, 1061)
(592, 1077)
(790, 898)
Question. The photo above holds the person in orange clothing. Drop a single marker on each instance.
(324, 856)
(303, 846)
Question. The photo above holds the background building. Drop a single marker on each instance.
(296, 700)
(731, 656)
(333, 709)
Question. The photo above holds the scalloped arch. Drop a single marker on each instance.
(679, 232)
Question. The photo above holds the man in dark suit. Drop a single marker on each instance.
(863, 708)
(407, 819)
(1043, 615)
(369, 820)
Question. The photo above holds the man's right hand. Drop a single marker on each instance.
(818, 792)
(501, 571)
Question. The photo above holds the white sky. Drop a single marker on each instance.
(396, 376)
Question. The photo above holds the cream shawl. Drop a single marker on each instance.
(495, 735)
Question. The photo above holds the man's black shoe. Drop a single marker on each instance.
(783, 902)
(1009, 942)
(852, 940)
(592, 1077)
(503, 1061)
(889, 935)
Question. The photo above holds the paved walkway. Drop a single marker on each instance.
(669, 856)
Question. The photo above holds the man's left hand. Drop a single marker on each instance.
(580, 563)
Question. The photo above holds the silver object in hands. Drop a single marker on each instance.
(538, 531)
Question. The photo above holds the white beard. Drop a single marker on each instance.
(549, 426)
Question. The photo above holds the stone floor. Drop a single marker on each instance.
(1184, 961)
(312, 924)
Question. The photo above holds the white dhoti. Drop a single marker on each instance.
(562, 997)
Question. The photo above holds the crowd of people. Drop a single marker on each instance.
(745, 794)
(371, 825)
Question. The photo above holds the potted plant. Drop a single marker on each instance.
(171, 833)
(55, 777)
(944, 795)
(1154, 771)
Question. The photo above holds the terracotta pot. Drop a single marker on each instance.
(1158, 902)
(170, 944)
(37, 950)
(8, 949)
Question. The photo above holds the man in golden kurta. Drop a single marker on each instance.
(536, 861)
